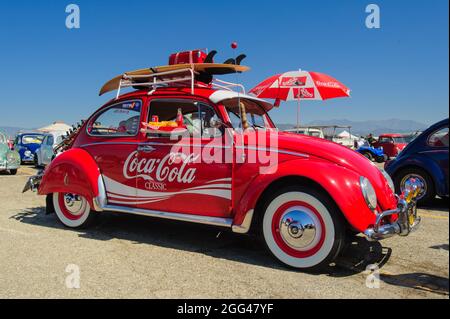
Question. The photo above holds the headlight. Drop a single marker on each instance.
(11, 158)
(388, 179)
(368, 192)
(27, 153)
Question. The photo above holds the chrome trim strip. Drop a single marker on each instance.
(245, 226)
(252, 148)
(207, 220)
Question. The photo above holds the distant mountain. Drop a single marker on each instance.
(372, 126)
(10, 130)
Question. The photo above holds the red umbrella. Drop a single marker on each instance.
(300, 85)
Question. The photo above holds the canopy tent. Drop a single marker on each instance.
(346, 134)
(57, 126)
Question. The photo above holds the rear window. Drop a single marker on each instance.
(32, 139)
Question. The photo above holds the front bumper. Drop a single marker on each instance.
(8, 166)
(33, 182)
(407, 221)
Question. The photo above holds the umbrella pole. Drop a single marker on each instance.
(298, 114)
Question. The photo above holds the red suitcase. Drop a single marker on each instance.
(194, 56)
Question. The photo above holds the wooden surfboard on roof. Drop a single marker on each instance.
(205, 69)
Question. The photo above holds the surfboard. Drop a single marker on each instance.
(209, 69)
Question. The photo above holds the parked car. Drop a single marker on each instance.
(372, 153)
(27, 144)
(178, 148)
(392, 144)
(9, 159)
(425, 159)
(45, 153)
(310, 131)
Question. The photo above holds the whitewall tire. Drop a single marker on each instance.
(302, 229)
(72, 210)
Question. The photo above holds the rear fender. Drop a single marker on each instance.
(74, 171)
(341, 184)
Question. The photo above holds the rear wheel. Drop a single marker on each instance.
(36, 160)
(302, 228)
(73, 210)
(402, 178)
(13, 171)
(368, 155)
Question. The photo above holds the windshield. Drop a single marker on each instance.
(256, 116)
(32, 139)
(400, 140)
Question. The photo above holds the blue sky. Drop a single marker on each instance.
(399, 71)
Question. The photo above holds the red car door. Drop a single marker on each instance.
(112, 139)
(184, 175)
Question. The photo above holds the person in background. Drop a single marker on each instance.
(370, 139)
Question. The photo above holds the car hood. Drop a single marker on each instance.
(327, 150)
(32, 147)
(339, 155)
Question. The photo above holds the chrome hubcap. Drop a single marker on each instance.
(299, 228)
(74, 204)
(411, 179)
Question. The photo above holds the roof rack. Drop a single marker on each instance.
(227, 85)
(154, 82)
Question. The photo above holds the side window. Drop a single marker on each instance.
(439, 138)
(385, 140)
(207, 116)
(50, 140)
(121, 119)
(197, 117)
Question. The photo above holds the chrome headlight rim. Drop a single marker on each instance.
(368, 192)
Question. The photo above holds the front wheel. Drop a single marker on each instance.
(302, 228)
(405, 176)
(13, 171)
(73, 210)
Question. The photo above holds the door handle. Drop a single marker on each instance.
(145, 148)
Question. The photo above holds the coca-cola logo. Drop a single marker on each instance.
(305, 93)
(330, 84)
(174, 167)
(293, 81)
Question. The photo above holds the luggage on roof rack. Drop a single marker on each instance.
(187, 57)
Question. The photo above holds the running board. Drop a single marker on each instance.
(208, 220)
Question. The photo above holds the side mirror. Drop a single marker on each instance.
(216, 123)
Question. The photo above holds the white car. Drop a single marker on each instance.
(45, 153)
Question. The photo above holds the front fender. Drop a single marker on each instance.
(340, 183)
(74, 171)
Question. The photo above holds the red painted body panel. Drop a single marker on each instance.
(74, 171)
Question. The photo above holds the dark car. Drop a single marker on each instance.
(27, 144)
(424, 159)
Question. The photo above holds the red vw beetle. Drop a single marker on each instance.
(186, 147)
(392, 144)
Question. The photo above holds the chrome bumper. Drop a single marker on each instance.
(33, 182)
(407, 221)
